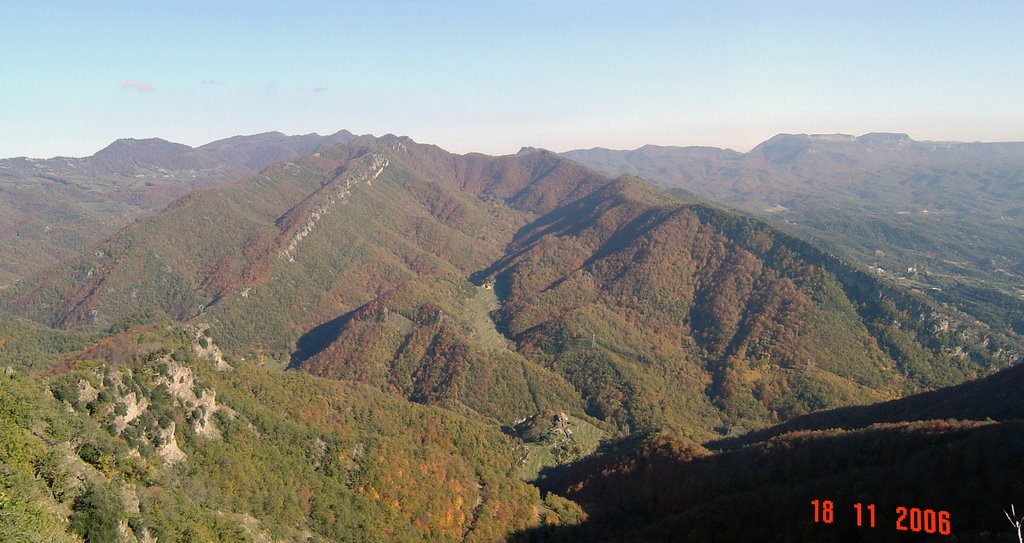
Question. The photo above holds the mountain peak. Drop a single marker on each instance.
(884, 137)
(786, 147)
(135, 146)
(783, 147)
(124, 154)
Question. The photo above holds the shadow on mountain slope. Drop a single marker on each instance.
(318, 338)
(667, 490)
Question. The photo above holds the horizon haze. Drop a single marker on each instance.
(494, 77)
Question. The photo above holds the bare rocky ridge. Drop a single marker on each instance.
(340, 189)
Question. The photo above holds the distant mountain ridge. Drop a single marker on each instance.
(781, 148)
(54, 208)
(947, 217)
(249, 152)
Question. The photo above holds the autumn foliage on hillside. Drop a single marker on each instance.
(420, 341)
(142, 429)
(616, 300)
(661, 489)
(669, 315)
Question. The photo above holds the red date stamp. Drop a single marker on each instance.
(908, 519)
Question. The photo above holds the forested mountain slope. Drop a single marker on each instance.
(994, 397)
(954, 450)
(627, 284)
(152, 435)
(944, 217)
(51, 210)
(481, 322)
(661, 489)
(614, 300)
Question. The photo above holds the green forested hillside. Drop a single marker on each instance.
(989, 398)
(149, 434)
(28, 345)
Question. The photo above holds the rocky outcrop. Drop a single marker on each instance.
(361, 172)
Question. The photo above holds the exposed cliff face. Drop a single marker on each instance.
(135, 402)
(300, 220)
(143, 440)
(205, 348)
(200, 402)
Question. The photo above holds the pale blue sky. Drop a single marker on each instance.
(492, 76)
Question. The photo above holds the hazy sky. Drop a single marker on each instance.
(492, 76)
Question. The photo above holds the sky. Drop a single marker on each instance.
(495, 75)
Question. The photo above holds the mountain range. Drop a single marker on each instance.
(571, 355)
(52, 209)
(650, 310)
(943, 217)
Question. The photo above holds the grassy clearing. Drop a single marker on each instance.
(478, 313)
(564, 442)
